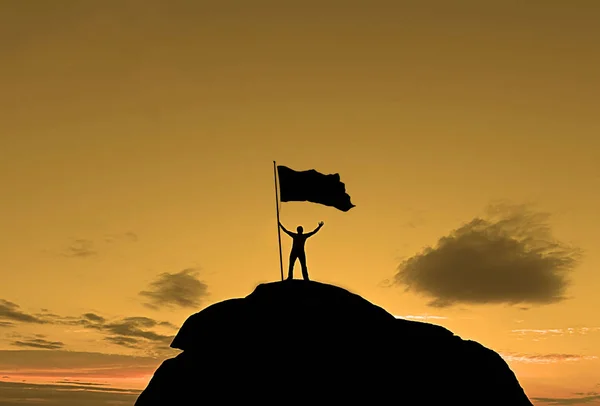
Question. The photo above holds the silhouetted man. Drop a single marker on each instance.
(298, 249)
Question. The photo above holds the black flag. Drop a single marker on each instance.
(312, 186)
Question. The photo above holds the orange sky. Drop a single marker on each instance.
(136, 146)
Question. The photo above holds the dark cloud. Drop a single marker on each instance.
(85, 248)
(167, 324)
(94, 317)
(48, 317)
(39, 343)
(81, 248)
(136, 328)
(586, 399)
(11, 312)
(182, 289)
(131, 332)
(138, 333)
(124, 341)
(510, 257)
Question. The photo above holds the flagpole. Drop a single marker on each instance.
(278, 229)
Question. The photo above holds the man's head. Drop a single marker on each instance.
(299, 229)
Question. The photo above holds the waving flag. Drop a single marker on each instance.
(312, 186)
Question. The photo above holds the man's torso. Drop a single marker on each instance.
(299, 242)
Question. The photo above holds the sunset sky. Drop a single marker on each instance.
(137, 141)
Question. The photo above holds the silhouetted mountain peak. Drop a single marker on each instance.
(334, 344)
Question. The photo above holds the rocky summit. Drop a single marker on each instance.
(311, 343)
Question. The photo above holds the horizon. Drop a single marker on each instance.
(137, 151)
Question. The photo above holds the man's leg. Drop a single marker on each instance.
(293, 257)
(302, 258)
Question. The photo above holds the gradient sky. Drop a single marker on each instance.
(136, 149)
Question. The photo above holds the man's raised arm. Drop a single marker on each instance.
(285, 230)
(315, 230)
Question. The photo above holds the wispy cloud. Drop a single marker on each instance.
(130, 332)
(128, 236)
(182, 289)
(138, 328)
(80, 248)
(141, 333)
(86, 247)
(555, 331)
(79, 383)
(579, 399)
(509, 257)
(11, 312)
(87, 370)
(28, 394)
(124, 341)
(421, 317)
(39, 343)
(75, 364)
(167, 324)
(93, 317)
(545, 358)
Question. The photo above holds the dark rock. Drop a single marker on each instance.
(297, 342)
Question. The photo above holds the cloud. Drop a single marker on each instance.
(39, 343)
(142, 333)
(550, 332)
(79, 383)
(167, 324)
(421, 317)
(124, 341)
(510, 257)
(85, 320)
(545, 358)
(130, 332)
(94, 317)
(87, 371)
(182, 289)
(91, 377)
(128, 236)
(28, 394)
(77, 365)
(136, 328)
(12, 312)
(81, 248)
(581, 399)
(85, 248)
